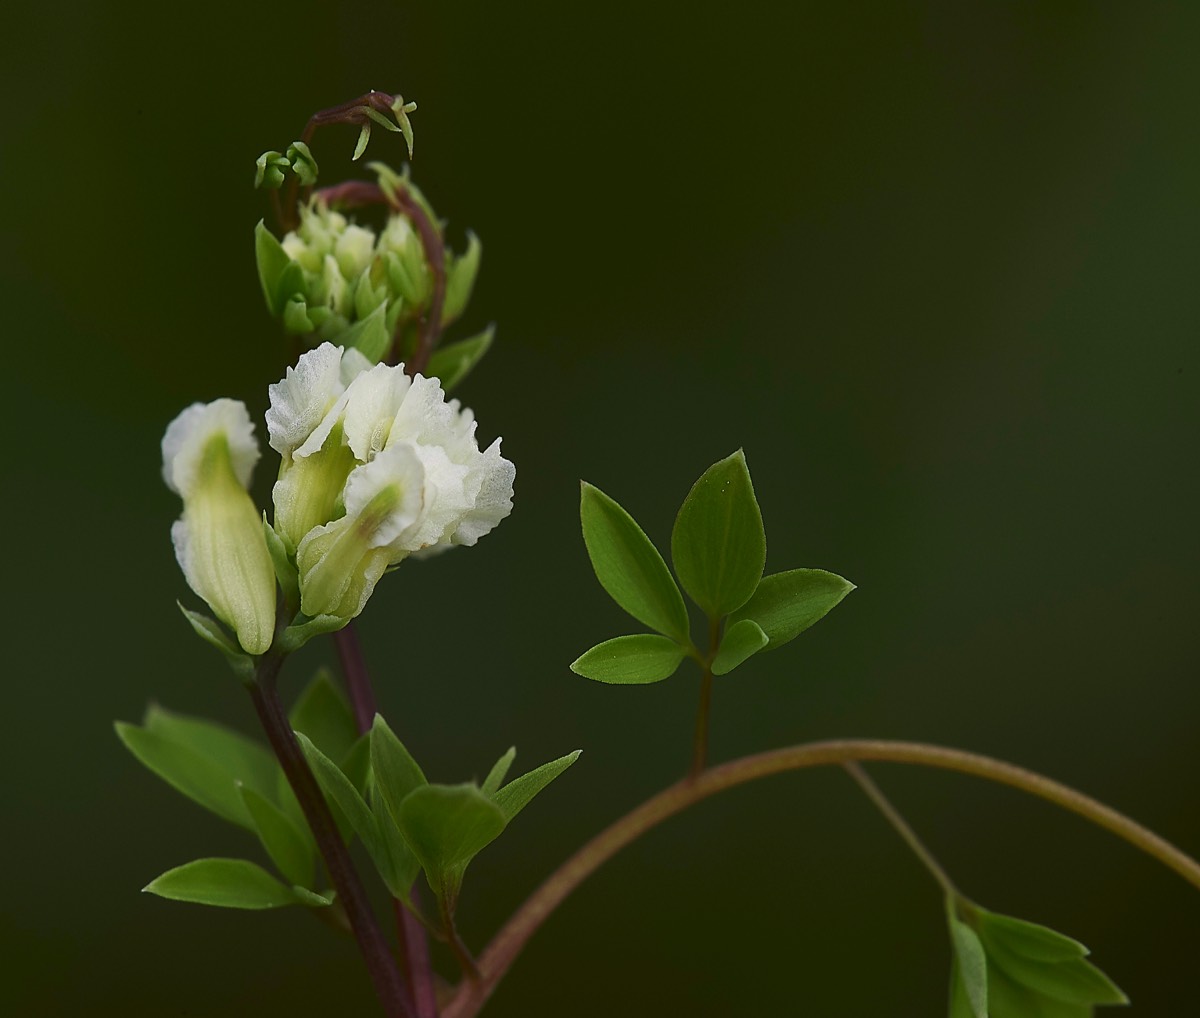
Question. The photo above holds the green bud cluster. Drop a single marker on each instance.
(332, 272)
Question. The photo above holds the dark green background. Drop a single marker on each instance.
(933, 265)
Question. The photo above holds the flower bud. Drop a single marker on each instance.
(209, 452)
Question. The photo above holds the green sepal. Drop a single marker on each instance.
(360, 146)
(369, 335)
(304, 629)
(322, 713)
(244, 759)
(742, 640)
(210, 631)
(461, 271)
(451, 364)
(401, 110)
(786, 604)
(718, 544)
(291, 850)
(202, 780)
(517, 794)
(498, 772)
(296, 315)
(302, 163)
(270, 169)
(281, 560)
(629, 567)
(446, 826)
(630, 660)
(227, 883)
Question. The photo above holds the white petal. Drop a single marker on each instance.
(371, 404)
(302, 398)
(186, 437)
(398, 468)
(446, 500)
(494, 500)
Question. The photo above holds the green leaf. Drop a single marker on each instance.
(446, 826)
(290, 850)
(295, 315)
(185, 770)
(1046, 962)
(742, 640)
(401, 867)
(786, 604)
(630, 660)
(1008, 999)
(322, 713)
(498, 772)
(240, 757)
(451, 364)
(1030, 940)
(460, 279)
(369, 335)
(228, 883)
(395, 772)
(971, 962)
(340, 792)
(629, 567)
(356, 764)
(210, 631)
(718, 544)
(516, 795)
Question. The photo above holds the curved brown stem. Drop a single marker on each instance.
(508, 943)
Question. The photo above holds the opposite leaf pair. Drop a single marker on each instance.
(719, 550)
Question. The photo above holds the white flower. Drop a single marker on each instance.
(209, 452)
(409, 475)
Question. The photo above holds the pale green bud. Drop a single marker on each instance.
(209, 452)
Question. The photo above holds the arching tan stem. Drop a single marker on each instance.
(508, 943)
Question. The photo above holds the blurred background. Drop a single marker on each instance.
(933, 265)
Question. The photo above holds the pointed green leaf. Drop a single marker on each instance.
(498, 772)
(228, 883)
(446, 826)
(742, 640)
(971, 963)
(1031, 940)
(210, 631)
(630, 660)
(312, 898)
(322, 713)
(292, 851)
(1045, 961)
(185, 770)
(341, 792)
(356, 764)
(1008, 999)
(451, 364)
(369, 335)
(629, 567)
(460, 279)
(240, 757)
(402, 867)
(516, 795)
(395, 772)
(718, 544)
(786, 604)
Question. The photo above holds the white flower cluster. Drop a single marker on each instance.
(375, 467)
(390, 465)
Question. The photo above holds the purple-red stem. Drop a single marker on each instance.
(381, 964)
(414, 945)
